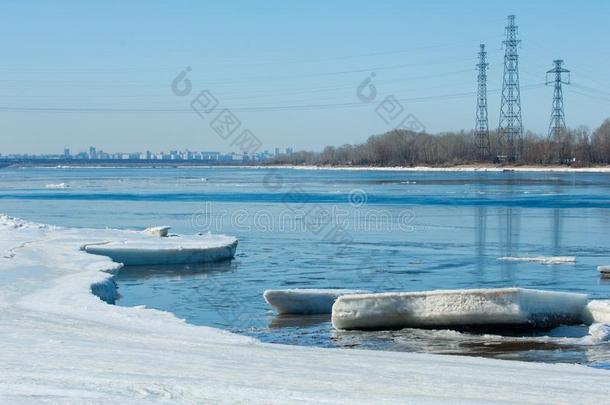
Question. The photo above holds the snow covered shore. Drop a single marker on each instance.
(60, 343)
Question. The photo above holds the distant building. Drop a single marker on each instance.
(92, 153)
(66, 153)
(277, 152)
(289, 151)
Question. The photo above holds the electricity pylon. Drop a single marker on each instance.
(511, 126)
(482, 123)
(558, 118)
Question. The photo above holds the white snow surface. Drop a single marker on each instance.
(62, 344)
(541, 259)
(147, 248)
(517, 306)
(305, 301)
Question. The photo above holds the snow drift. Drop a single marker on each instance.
(502, 306)
(305, 301)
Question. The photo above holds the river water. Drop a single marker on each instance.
(372, 230)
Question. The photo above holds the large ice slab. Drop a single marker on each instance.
(455, 308)
(151, 250)
(604, 270)
(305, 301)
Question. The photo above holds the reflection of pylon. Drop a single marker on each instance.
(558, 119)
(511, 126)
(482, 124)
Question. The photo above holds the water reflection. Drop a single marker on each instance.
(138, 273)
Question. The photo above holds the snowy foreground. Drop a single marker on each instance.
(60, 343)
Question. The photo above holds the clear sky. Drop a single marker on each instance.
(80, 73)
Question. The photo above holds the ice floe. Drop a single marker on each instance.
(62, 344)
(540, 259)
(159, 231)
(149, 250)
(57, 186)
(305, 301)
(598, 311)
(604, 270)
(501, 306)
(600, 332)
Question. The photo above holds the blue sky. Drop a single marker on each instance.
(107, 66)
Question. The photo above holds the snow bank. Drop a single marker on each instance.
(62, 344)
(305, 301)
(149, 250)
(502, 306)
(540, 259)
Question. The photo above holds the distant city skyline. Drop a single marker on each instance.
(81, 73)
(93, 153)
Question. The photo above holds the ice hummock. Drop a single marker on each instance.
(458, 308)
(540, 259)
(305, 301)
(149, 250)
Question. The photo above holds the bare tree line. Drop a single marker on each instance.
(575, 147)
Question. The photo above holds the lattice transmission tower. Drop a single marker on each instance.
(511, 126)
(482, 123)
(558, 118)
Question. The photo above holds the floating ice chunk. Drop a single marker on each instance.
(305, 301)
(540, 259)
(55, 186)
(597, 311)
(600, 332)
(179, 250)
(160, 231)
(604, 270)
(501, 306)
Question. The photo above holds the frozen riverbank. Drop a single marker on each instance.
(61, 343)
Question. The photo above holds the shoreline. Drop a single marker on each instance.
(458, 168)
